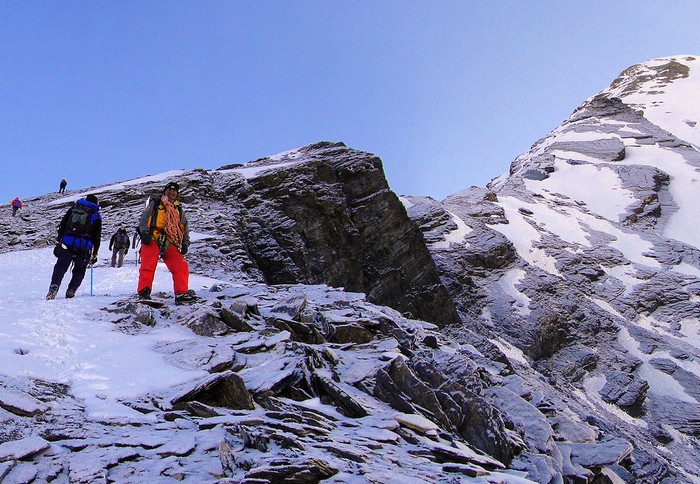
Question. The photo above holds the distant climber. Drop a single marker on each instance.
(78, 241)
(16, 205)
(119, 245)
(62, 186)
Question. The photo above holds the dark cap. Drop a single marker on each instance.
(91, 198)
(172, 185)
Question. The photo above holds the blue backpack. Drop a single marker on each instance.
(80, 220)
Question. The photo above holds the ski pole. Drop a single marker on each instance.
(91, 279)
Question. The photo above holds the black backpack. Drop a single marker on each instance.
(122, 239)
(78, 227)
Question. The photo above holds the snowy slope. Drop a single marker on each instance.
(585, 258)
(60, 340)
(671, 103)
(666, 89)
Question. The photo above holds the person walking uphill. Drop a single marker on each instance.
(78, 241)
(16, 205)
(62, 186)
(165, 232)
(119, 245)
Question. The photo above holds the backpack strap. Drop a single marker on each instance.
(154, 214)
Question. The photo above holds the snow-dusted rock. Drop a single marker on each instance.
(564, 300)
(22, 448)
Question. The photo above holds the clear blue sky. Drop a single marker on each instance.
(447, 93)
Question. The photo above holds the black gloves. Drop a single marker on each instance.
(93, 259)
(55, 250)
(184, 249)
(146, 239)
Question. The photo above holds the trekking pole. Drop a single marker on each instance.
(91, 266)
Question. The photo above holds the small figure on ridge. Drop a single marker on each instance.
(16, 205)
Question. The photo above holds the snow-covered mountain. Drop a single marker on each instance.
(542, 329)
(584, 259)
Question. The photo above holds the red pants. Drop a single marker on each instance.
(174, 261)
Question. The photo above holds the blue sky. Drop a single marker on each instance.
(447, 93)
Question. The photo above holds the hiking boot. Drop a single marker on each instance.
(70, 293)
(145, 293)
(53, 290)
(186, 298)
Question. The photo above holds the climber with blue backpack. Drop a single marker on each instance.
(78, 241)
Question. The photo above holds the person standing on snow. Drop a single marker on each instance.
(62, 186)
(78, 241)
(165, 232)
(119, 245)
(16, 205)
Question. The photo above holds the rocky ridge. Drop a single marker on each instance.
(575, 258)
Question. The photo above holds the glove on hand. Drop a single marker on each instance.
(146, 239)
(93, 259)
(55, 250)
(184, 249)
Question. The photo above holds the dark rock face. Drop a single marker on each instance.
(334, 220)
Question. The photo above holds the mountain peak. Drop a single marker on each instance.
(667, 90)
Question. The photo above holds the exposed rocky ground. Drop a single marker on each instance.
(505, 334)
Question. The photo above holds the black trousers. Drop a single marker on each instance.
(80, 262)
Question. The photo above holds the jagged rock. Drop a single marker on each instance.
(462, 455)
(22, 448)
(234, 321)
(225, 389)
(205, 322)
(598, 454)
(419, 394)
(306, 333)
(334, 393)
(529, 421)
(193, 354)
(21, 403)
(350, 333)
(291, 307)
(625, 390)
(418, 423)
(299, 471)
